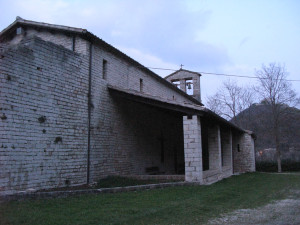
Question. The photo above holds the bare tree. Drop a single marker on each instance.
(276, 92)
(230, 100)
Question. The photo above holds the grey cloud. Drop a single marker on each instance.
(167, 30)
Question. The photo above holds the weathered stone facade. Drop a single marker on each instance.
(243, 153)
(192, 148)
(43, 98)
(63, 124)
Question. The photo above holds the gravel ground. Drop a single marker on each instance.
(282, 212)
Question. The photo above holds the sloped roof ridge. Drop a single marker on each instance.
(177, 71)
(96, 39)
(45, 25)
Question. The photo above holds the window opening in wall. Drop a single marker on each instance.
(141, 85)
(190, 117)
(176, 83)
(189, 87)
(73, 43)
(205, 150)
(104, 69)
(20, 30)
(238, 147)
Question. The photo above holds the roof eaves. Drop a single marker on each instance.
(20, 21)
(177, 71)
(9, 27)
(140, 66)
(93, 38)
(182, 104)
(211, 113)
(192, 107)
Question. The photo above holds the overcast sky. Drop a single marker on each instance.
(233, 37)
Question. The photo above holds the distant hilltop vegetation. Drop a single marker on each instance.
(257, 119)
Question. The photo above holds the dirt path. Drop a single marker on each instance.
(283, 212)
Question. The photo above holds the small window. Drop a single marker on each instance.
(176, 83)
(104, 69)
(20, 30)
(238, 147)
(189, 117)
(141, 85)
(73, 43)
(189, 87)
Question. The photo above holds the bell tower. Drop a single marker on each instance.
(187, 81)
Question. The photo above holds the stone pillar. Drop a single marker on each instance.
(214, 143)
(219, 147)
(226, 147)
(230, 149)
(182, 85)
(244, 153)
(248, 146)
(192, 149)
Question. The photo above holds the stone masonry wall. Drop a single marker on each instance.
(81, 45)
(192, 148)
(119, 72)
(115, 146)
(138, 131)
(53, 153)
(44, 118)
(214, 146)
(218, 138)
(243, 158)
(43, 125)
(226, 143)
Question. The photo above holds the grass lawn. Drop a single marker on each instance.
(176, 205)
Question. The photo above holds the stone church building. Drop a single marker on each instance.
(74, 109)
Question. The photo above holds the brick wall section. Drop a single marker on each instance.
(43, 97)
(192, 148)
(244, 160)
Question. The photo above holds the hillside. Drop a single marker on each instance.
(257, 118)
